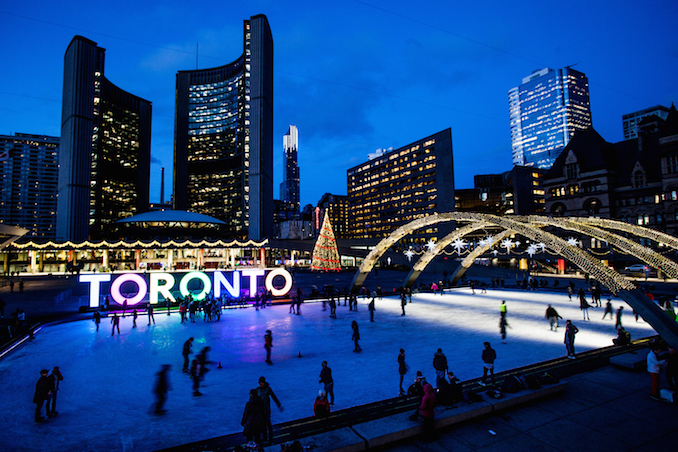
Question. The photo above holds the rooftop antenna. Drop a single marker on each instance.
(571, 65)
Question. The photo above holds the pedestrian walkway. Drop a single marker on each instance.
(608, 409)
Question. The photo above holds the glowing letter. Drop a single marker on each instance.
(163, 289)
(206, 285)
(95, 281)
(132, 277)
(286, 276)
(253, 279)
(220, 280)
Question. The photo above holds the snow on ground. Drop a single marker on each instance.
(105, 399)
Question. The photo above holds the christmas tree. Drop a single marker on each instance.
(325, 254)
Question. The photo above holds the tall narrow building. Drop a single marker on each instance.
(289, 188)
(545, 111)
(105, 153)
(223, 138)
(29, 168)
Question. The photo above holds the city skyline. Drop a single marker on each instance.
(386, 77)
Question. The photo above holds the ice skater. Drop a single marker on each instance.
(115, 321)
(503, 323)
(135, 314)
(488, 356)
(583, 305)
(570, 331)
(162, 386)
(265, 393)
(42, 394)
(440, 365)
(53, 380)
(97, 318)
(618, 322)
(326, 379)
(185, 352)
(124, 307)
(356, 337)
(149, 310)
(402, 369)
(253, 418)
(403, 302)
(268, 345)
(370, 307)
(553, 317)
(608, 309)
(195, 376)
(502, 309)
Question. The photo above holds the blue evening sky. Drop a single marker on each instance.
(352, 75)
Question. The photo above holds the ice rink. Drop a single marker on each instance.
(105, 400)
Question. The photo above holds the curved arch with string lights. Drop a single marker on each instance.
(615, 282)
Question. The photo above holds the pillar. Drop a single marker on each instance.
(34, 260)
(137, 258)
(41, 261)
(523, 264)
(262, 257)
(170, 259)
(104, 262)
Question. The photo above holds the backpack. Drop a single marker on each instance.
(533, 382)
(510, 386)
(474, 397)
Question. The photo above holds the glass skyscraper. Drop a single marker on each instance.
(105, 153)
(545, 111)
(289, 188)
(223, 144)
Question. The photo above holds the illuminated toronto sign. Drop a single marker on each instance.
(163, 283)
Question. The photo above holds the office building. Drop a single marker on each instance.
(289, 188)
(632, 120)
(544, 112)
(105, 152)
(223, 139)
(402, 185)
(28, 189)
(336, 206)
(517, 191)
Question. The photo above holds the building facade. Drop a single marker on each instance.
(635, 180)
(28, 189)
(289, 188)
(223, 139)
(336, 206)
(518, 191)
(402, 185)
(631, 121)
(105, 152)
(544, 112)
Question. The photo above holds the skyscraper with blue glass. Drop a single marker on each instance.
(289, 188)
(223, 138)
(545, 111)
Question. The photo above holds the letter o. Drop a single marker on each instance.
(132, 277)
(288, 282)
(206, 285)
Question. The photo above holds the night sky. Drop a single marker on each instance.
(353, 76)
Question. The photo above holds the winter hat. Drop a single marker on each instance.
(322, 393)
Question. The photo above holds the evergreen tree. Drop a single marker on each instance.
(325, 254)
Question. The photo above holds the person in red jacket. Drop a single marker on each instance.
(321, 407)
(427, 411)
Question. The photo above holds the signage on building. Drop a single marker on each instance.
(159, 283)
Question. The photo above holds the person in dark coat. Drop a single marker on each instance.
(253, 418)
(268, 344)
(618, 323)
(371, 308)
(149, 310)
(97, 318)
(188, 345)
(553, 317)
(608, 309)
(54, 380)
(326, 379)
(42, 394)
(570, 331)
(583, 304)
(356, 337)
(265, 393)
(135, 314)
(403, 302)
(162, 385)
(115, 321)
(402, 369)
(440, 365)
(489, 355)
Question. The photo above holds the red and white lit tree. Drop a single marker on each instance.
(325, 254)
